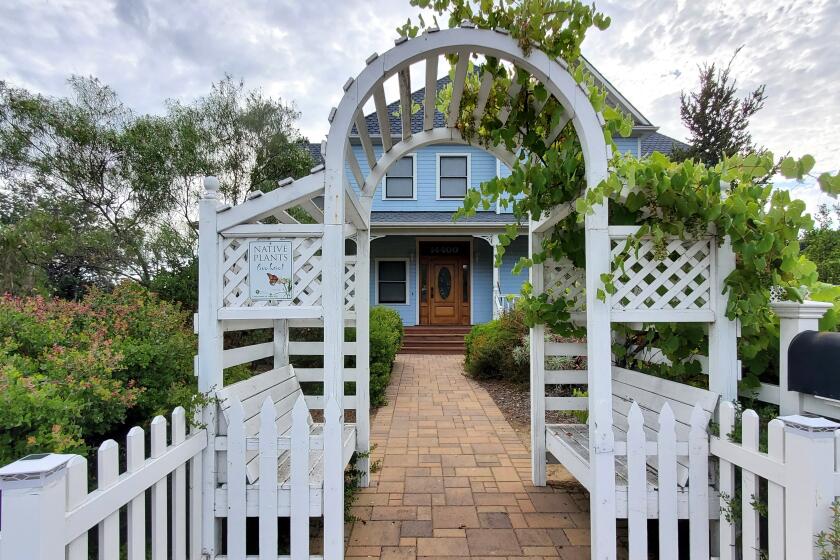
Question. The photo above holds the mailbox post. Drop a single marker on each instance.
(794, 318)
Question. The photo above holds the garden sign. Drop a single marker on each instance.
(270, 269)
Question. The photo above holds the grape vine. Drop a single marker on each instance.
(667, 199)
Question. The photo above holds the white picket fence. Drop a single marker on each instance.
(792, 484)
(54, 522)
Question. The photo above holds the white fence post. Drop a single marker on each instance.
(794, 318)
(809, 461)
(34, 505)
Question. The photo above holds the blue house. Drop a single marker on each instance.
(434, 271)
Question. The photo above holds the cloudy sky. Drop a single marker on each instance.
(304, 50)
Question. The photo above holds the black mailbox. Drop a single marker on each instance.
(814, 364)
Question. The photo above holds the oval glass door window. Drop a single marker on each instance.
(444, 281)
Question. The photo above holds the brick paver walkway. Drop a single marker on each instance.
(455, 478)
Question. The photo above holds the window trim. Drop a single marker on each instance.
(437, 173)
(413, 182)
(407, 279)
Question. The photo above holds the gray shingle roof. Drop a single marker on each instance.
(315, 152)
(442, 218)
(660, 143)
(416, 118)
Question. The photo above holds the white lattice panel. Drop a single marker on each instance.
(563, 280)
(306, 272)
(680, 281)
(350, 283)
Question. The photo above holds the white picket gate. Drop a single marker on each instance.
(47, 510)
(670, 500)
(297, 464)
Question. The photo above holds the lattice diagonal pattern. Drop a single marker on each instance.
(306, 286)
(563, 279)
(682, 280)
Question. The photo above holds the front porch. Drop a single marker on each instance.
(443, 279)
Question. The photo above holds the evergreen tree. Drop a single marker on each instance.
(717, 119)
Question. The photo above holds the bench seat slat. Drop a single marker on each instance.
(650, 393)
(282, 385)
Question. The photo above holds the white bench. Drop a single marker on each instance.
(569, 443)
(282, 386)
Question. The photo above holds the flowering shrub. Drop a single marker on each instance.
(73, 373)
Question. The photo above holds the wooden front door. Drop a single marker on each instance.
(445, 307)
(444, 283)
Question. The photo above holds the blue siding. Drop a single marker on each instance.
(626, 145)
(482, 288)
(397, 247)
(482, 168)
(512, 283)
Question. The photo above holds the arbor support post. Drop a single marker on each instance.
(537, 334)
(210, 346)
(363, 353)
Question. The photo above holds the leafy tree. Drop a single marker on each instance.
(716, 118)
(94, 192)
(822, 244)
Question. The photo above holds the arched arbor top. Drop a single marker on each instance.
(427, 49)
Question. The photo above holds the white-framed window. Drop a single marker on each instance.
(392, 281)
(453, 176)
(401, 179)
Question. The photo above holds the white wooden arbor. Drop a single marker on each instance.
(331, 289)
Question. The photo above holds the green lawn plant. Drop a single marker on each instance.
(667, 199)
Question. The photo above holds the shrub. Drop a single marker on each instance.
(492, 349)
(73, 373)
(386, 334)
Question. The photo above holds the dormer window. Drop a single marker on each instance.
(399, 180)
(453, 175)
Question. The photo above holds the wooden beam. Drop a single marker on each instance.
(513, 91)
(561, 124)
(354, 210)
(350, 158)
(544, 223)
(458, 88)
(312, 210)
(430, 95)
(404, 79)
(280, 198)
(382, 116)
(483, 94)
(364, 136)
(274, 230)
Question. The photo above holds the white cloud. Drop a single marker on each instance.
(303, 51)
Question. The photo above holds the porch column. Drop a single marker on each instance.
(497, 283)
